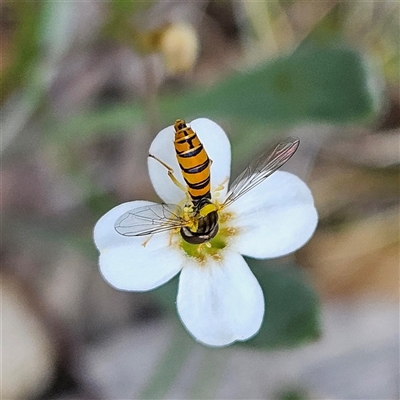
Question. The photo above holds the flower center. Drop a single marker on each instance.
(201, 251)
(214, 247)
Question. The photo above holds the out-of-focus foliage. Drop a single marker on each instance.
(20, 44)
(291, 311)
(85, 86)
(321, 85)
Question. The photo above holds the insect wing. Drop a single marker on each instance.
(151, 219)
(261, 168)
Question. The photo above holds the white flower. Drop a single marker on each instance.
(219, 299)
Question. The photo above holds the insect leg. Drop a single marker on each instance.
(147, 241)
(170, 173)
(221, 186)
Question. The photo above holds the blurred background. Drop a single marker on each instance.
(87, 85)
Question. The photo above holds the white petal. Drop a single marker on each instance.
(217, 146)
(275, 218)
(105, 234)
(220, 302)
(125, 263)
(133, 266)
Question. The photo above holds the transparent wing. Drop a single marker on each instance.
(151, 219)
(261, 168)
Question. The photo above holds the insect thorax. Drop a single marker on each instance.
(205, 227)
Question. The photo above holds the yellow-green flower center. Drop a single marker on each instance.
(213, 248)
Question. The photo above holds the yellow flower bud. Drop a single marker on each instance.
(179, 44)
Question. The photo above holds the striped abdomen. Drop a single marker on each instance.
(193, 161)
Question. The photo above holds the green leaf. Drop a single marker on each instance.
(170, 365)
(24, 45)
(329, 85)
(166, 294)
(108, 120)
(291, 307)
(319, 85)
(330, 30)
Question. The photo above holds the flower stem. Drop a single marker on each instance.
(170, 365)
(209, 374)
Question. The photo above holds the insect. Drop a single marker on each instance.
(198, 219)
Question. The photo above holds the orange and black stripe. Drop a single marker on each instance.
(193, 161)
